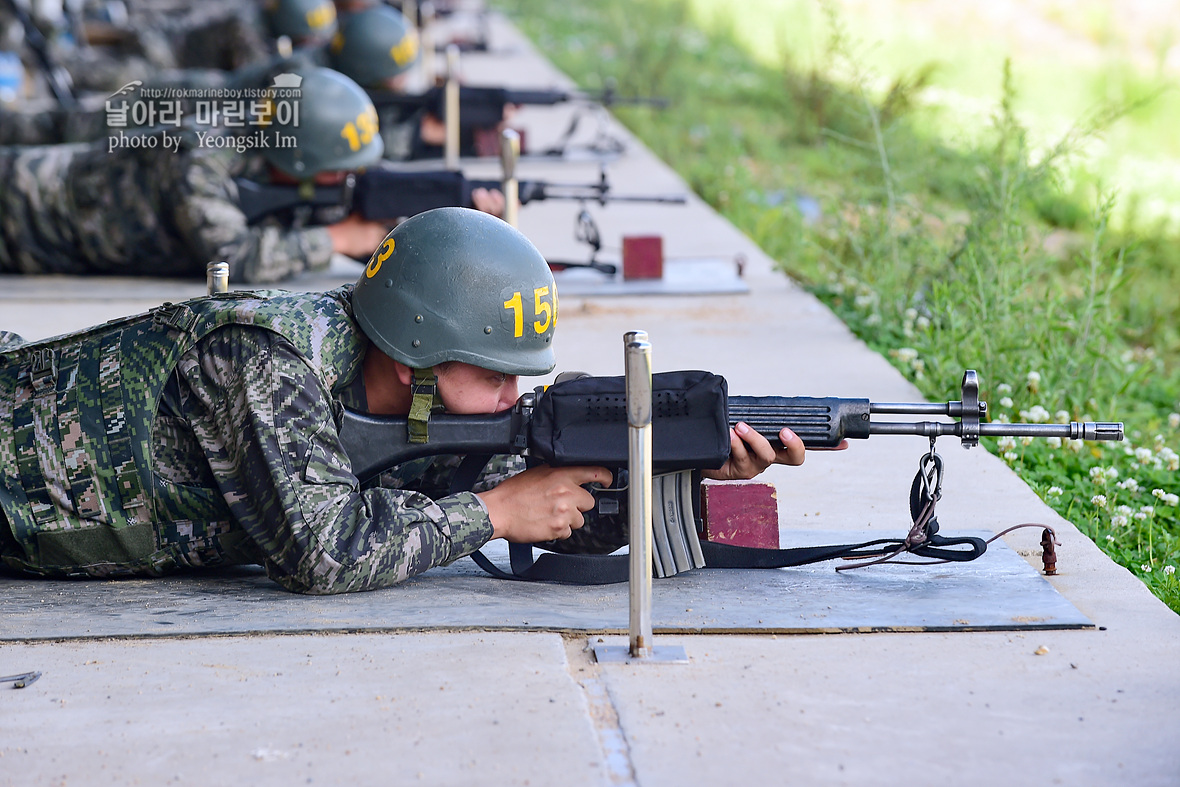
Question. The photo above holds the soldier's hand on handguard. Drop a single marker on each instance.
(542, 503)
(489, 201)
(357, 237)
(750, 453)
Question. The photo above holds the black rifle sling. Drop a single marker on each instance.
(611, 569)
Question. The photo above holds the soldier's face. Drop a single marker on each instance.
(467, 389)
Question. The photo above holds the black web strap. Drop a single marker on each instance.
(923, 540)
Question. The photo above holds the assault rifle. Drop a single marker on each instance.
(584, 421)
(382, 194)
(483, 107)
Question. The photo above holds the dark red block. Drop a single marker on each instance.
(643, 257)
(740, 512)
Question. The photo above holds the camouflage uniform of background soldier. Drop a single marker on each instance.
(85, 209)
(206, 433)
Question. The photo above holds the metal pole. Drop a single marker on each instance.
(423, 16)
(451, 108)
(638, 382)
(509, 153)
(217, 277)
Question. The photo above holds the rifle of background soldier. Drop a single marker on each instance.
(384, 194)
(483, 107)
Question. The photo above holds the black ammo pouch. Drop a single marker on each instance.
(584, 422)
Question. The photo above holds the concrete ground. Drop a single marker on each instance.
(1088, 707)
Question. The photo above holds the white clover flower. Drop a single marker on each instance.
(1076, 445)
(1111, 473)
(1003, 388)
(1174, 420)
(911, 313)
(1158, 442)
(1036, 414)
(923, 323)
(1006, 443)
(1006, 402)
(1061, 417)
(1001, 418)
(1147, 510)
(873, 319)
(1109, 537)
(1026, 440)
(1055, 491)
(1124, 510)
(1172, 500)
(1098, 476)
(1169, 458)
(1146, 568)
(865, 301)
(1118, 520)
(1034, 381)
(905, 354)
(1099, 501)
(1053, 442)
(1158, 493)
(1169, 570)
(1144, 456)
(1011, 456)
(1131, 485)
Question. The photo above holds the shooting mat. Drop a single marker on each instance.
(997, 592)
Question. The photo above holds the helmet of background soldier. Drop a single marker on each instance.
(331, 126)
(374, 45)
(456, 284)
(304, 22)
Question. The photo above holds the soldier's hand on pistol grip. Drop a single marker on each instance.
(542, 503)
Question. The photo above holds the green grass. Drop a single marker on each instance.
(987, 237)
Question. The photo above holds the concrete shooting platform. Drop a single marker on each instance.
(364, 695)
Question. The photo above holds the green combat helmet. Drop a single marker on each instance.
(456, 284)
(374, 45)
(330, 126)
(303, 22)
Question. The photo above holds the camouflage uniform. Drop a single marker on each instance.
(206, 434)
(79, 209)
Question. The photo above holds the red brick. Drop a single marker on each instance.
(740, 512)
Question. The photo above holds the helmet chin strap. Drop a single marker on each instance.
(426, 400)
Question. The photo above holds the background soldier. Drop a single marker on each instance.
(377, 47)
(165, 203)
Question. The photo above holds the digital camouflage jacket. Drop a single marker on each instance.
(167, 210)
(205, 433)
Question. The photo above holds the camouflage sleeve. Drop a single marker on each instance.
(217, 228)
(267, 427)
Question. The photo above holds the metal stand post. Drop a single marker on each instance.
(639, 408)
(509, 154)
(217, 277)
(451, 109)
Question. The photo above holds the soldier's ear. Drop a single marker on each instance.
(405, 374)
